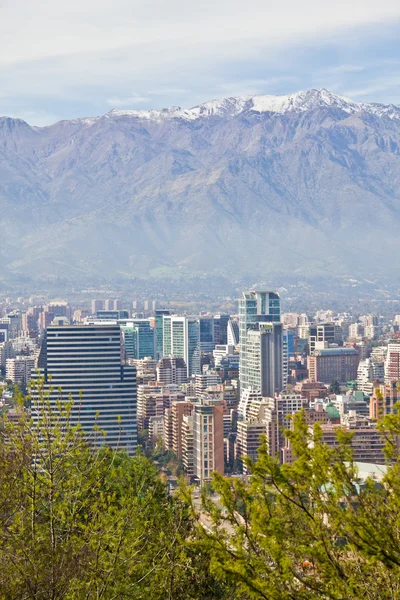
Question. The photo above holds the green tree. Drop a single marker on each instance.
(310, 530)
(334, 388)
(83, 523)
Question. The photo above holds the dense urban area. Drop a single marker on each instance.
(197, 392)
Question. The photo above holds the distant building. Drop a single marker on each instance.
(19, 369)
(159, 314)
(392, 364)
(232, 333)
(384, 400)
(221, 329)
(172, 370)
(331, 364)
(139, 339)
(97, 305)
(181, 338)
(205, 380)
(207, 343)
(367, 442)
(208, 441)
(323, 334)
(261, 342)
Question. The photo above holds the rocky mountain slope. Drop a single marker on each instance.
(307, 183)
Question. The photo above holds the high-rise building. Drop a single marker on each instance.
(261, 343)
(139, 339)
(207, 343)
(181, 338)
(179, 410)
(232, 336)
(97, 305)
(221, 329)
(263, 368)
(45, 318)
(392, 363)
(85, 361)
(208, 441)
(324, 334)
(159, 314)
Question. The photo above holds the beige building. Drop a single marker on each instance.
(208, 441)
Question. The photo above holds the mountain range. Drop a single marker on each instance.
(307, 184)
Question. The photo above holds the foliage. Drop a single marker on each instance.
(310, 530)
(79, 523)
(334, 388)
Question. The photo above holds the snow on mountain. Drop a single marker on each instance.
(231, 107)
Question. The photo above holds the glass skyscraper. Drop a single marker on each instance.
(261, 344)
(85, 361)
(139, 339)
(181, 338)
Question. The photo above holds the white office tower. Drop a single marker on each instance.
(233, 333)
(365, 376)
(85, 361)
(261, 343)
(181, 338)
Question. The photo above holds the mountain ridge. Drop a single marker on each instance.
(311, 188)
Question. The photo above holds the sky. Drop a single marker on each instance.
(62, 60)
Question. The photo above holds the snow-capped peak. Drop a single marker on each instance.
(231, 107)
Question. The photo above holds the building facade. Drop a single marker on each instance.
(85, 361)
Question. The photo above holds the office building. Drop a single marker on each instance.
(85, 361)
(139, 339)
(221, 329)
(333, 364)
(232, 333)
(181, 338)
(159, 314)
(263, 360)
(207, 343)
(261, 342)
(322, 335)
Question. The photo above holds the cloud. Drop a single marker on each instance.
(30, 30)
(346, 69)
(81, 57)
(379, 85)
